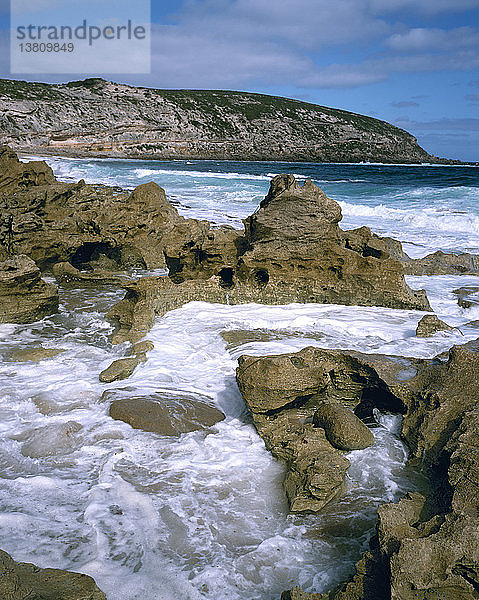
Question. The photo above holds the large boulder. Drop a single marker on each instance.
(343, 429)
(22, 581)
(24, 296)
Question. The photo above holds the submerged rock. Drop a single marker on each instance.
(22, 581)
(24, 296)
(52, 440)
(430, 324)
(64, 272)
(165, 414)
(35, 354)
(467, 296)
(344, 430)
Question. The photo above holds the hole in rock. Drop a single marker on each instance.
(261, 277)
(94, 251)
(226, 277)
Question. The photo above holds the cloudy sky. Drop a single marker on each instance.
(414, 63)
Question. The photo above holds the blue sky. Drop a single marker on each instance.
(414, 63)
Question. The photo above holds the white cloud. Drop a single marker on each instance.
(426, 7)
(419, 39)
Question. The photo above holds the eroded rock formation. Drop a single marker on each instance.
(292, 250)
(425, 547)
(54, 222)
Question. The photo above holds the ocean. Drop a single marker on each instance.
(204, 516)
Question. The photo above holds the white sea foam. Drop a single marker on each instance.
(199, 174)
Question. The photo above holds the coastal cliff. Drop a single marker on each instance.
(99, 118)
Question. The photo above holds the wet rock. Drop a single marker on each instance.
(313, 375)
(64, 272)
(437, 559)
(292, 250)
(53, 222)
(442, 263)
(21, 581)
(35, 354)
(343, 429)
(24, 296)
(467, 296)
(297, 594)
(142, 347)
(119, 369)
(52, 440)
(430, 324)
(428, 546)
(165, 414)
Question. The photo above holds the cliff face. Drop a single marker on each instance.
(95, 117)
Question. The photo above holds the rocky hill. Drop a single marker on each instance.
(99, 118)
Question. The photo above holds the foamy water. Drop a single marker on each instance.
(201, 516)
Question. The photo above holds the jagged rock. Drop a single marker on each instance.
(64, 272)
(430, 324)
(24, 296)
(119, 369)
(343, 429)
(462, 449)
(297, 594)
(292, 251)
(270, 383)
(467, 296)
(436, 558)
(436, 263)
(97, 117)
(165, 414)
(426, 547)
(22, 581)
(283, 392)
(55, 222)
(442, 263)
(16, 175)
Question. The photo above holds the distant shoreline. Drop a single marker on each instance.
(46, 153)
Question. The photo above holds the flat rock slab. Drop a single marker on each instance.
(35, 354)
(165, 414)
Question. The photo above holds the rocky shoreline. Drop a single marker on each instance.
(310, 407)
